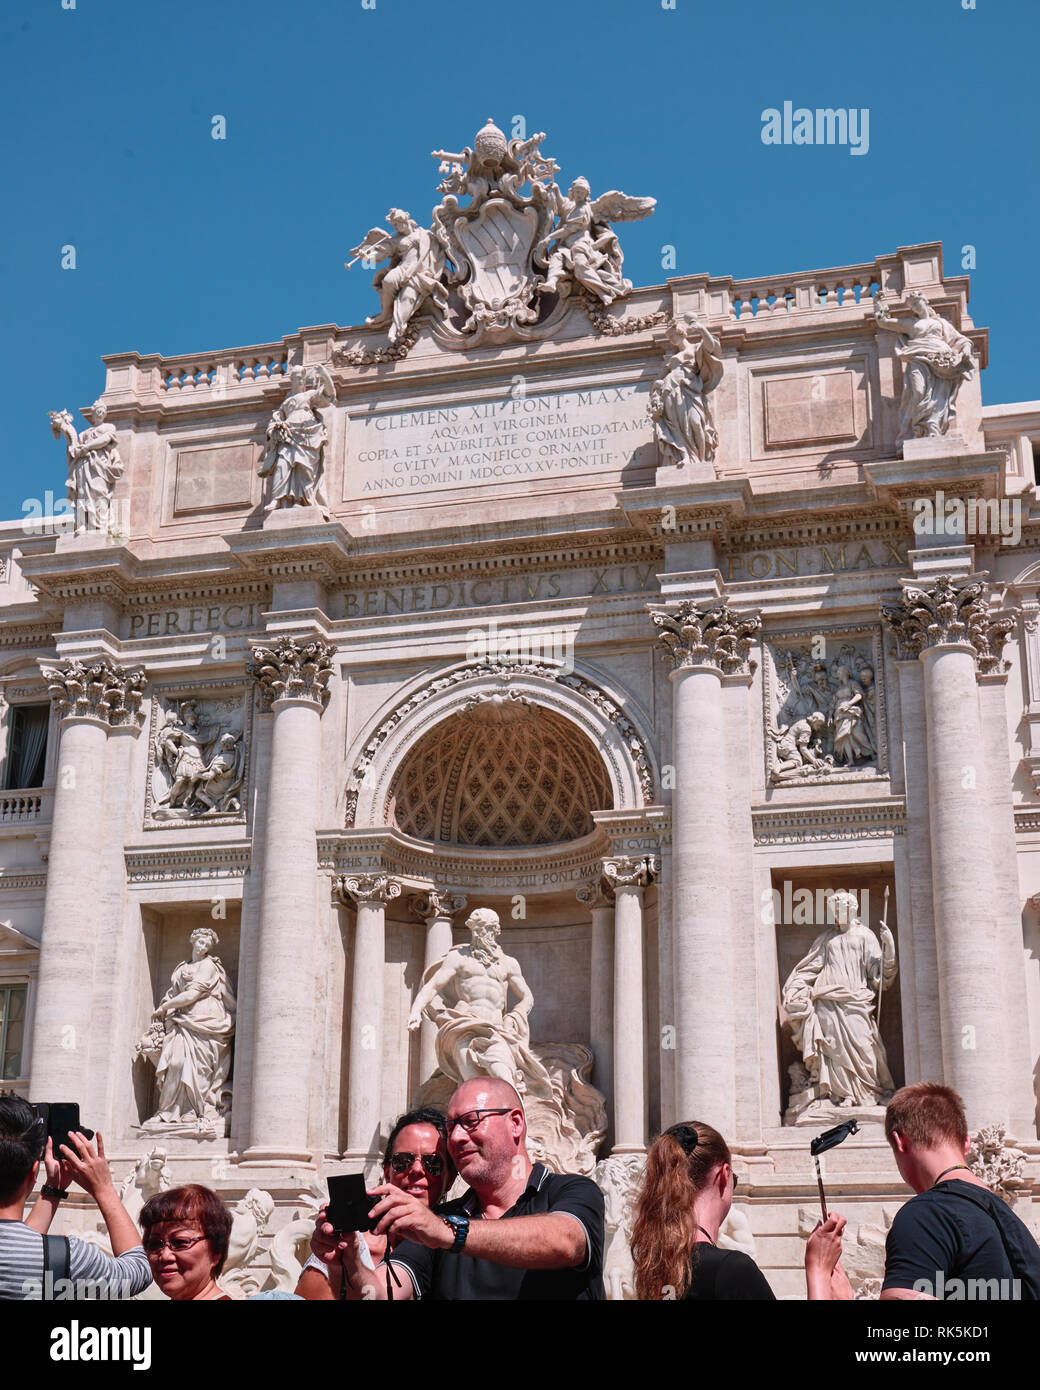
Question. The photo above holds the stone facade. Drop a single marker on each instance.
(325, 729)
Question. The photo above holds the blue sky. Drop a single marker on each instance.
(187, 243)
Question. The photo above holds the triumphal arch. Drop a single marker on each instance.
(681, 640)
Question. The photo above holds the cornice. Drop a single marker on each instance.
(184, 863)
(864, 820)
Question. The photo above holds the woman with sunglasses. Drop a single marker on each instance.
(186, 1233)
(416, 1160)
(686, 1196)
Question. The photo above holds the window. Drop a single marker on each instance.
(26, 746)
(12, 1028)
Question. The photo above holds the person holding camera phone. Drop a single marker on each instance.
(520, 1232)
(416, 1161)
(24, 1143)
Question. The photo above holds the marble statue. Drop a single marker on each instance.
(466, 994)
(413, 276)
(200, 768)
(190, 1042)
(936, 359)
(296, 437)
(585, 251)
(999, 1164)
(797, 748)
(240, 1278)
(94, 465)
(832, 1000)
(679, 401)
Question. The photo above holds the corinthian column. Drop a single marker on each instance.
(705, 644)
(292, 676)
(371, 893)
(952, 630)
(628, 878)
(90, 701)
(435, 908)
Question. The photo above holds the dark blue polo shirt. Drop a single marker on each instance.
(440, 1274)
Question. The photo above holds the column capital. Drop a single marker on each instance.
(293, 668)
(714, 635)
(101, 690)
(625, 872)
(950, 613)
(595, 893)
(434, 903)
(367, 888)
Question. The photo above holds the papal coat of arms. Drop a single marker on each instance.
(495, 259)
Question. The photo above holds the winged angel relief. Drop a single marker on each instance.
(495, 266)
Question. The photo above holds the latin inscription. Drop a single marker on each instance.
(807, 560)
(183, 622)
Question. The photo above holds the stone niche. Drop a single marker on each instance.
(166, 942)
(799, 922)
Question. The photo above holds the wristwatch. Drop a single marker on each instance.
(460, 1226)
(56, 1194)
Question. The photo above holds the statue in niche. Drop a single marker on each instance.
(586, 253)
(937, 360)
(296, 437)
(413, 276)
(679, 405)
(826, 719)
(189, 1041)
(94, 465)
(202, 767)
(466, 994)
(832, 999)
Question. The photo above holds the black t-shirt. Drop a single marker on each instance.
(726, 1274)
(441, 1274)
(940, 1240)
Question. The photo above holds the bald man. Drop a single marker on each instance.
(519, 1232)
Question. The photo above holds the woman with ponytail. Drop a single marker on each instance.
(686, 1195)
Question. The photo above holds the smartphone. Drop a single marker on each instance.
(349, 1203)
(61, 1118)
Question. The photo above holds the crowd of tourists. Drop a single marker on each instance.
(518, 1231)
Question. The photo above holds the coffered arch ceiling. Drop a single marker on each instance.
(503, 772)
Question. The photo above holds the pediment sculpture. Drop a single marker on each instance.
(496, 261)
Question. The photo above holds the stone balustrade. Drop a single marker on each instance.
(222, 369)
(19, 807)
(808, 293)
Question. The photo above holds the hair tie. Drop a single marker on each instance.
(686, 1135)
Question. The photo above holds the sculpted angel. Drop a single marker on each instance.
(296, 439)
(679, 404)
(937, 360)
(413, 276)
(586, 251)
(94, 465)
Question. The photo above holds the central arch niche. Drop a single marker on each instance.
(501, 773)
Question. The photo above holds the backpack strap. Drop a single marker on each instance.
(1017, 1267)
(56, 1260)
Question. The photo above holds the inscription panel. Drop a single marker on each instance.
(518, 438)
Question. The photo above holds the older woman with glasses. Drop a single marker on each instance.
(416, 1161)
(186, 1233)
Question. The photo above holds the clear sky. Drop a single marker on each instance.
(184, 243)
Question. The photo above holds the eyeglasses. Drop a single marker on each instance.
(473, 1118)
(432, 1163)
(177, 1244)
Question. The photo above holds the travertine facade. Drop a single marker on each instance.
(524, 640)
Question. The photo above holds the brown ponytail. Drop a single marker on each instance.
(664, 1232)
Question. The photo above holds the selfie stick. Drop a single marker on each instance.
(829, 1139)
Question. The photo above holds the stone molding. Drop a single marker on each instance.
(292, 668)
(175, 864)
(949, 613)
(376, 888)
(829, 822)
(101, 690)
(714, 635)
(21, 882)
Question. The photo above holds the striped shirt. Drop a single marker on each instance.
(92, 1273)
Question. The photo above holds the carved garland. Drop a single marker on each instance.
(605, 322)
(627, 730)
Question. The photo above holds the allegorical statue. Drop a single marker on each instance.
(466, 994)
(190, 1042)
(833, 999)
(414, 274)
(585, 250)
(296, 439)
(679, 401)
(94, 465)
(936, 359)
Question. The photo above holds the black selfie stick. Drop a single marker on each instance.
(828, 1140)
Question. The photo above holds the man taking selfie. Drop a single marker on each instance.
(520, 1232)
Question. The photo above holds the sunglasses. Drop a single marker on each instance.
(433, 1164)
(177, 1245)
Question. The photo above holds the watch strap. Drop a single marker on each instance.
(58, 1194)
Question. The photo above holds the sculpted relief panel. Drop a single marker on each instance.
(198, 757)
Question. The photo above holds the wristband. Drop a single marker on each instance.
(56, 1194)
